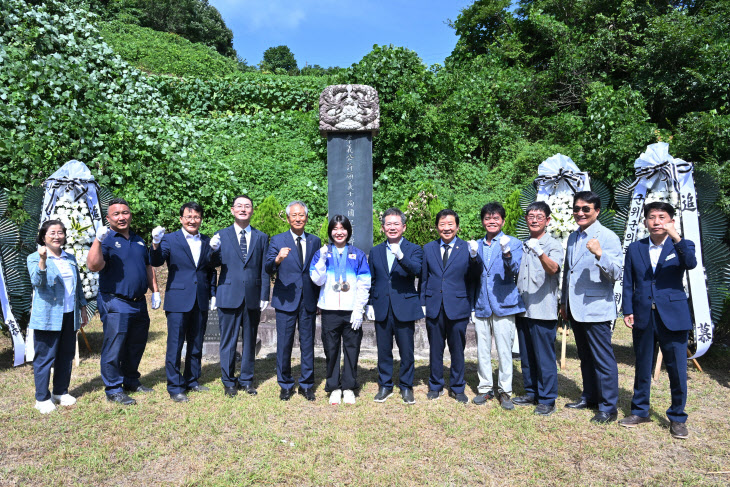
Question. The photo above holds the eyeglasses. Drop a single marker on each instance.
(55, 234)
(393, 225)
(584, 209)
(535, 218)
(239, 206)
(192, 218)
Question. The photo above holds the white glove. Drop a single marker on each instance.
(102, 233)
(213, 307)
(157, 234)
(473, 248)
(473, 317)
(395, 249)
(323, 252)
(264, 305)
(356, 319)
(504, 242)
(534, 245)
(424, 310)
(215, 242)
(370, 313)
(156, 301)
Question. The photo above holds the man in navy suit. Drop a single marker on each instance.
(191, 282)
(294, 299)
(242, 293)
(592, 266)
(450, 269)
(656, 309)
(394, 305)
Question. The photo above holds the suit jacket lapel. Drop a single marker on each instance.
(204, 249)
(234, 241)
(644, 252)
(184, 242)
(309, 239)
(251, 245)
(436, 250)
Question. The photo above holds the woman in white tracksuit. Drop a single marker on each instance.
(344, 276)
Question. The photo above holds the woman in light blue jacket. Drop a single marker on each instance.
(58, 312)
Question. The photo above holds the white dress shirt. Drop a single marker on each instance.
(194, 243)
(67, 274)
(654, 252)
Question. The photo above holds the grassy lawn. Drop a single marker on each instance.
(213, 440)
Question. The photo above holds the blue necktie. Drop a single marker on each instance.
(244, 247)
(446, 254)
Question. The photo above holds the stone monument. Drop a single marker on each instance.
(349, 116)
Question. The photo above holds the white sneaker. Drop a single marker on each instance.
(336, 397)
(45, 407)
(63, 399)
(348, 397)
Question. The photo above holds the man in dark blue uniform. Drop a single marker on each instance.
(120, 257)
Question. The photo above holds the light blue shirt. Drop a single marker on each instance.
(390, 255)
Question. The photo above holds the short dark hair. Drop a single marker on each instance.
(491, 209)
(446, 212)
(242, 196)
(394, 212)
(193, 206)
(119, 201)
(658, 206)
(41, 240)
(589, 197)
(539, 206)
(344, 221)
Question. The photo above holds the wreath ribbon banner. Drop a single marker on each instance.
(18, 343)
(656, 170)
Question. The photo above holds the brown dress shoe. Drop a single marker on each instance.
(678, 430)
(633, 421)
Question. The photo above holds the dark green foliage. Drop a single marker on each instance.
(165, 53)
(279, 57)
(421, 211)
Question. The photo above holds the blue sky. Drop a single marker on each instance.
(340, 32)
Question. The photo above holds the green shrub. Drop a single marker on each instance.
(165, 53)
(269, 217)
(421, 213)
(514, 212)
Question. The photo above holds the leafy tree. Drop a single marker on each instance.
(269, 217)
(280, 57)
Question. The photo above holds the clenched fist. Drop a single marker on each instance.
(215, 242)
(157, 234)
(504, 242)
(594, 247)
(282, 254)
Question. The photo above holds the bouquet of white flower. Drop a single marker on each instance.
(561, 216)
(80, 235)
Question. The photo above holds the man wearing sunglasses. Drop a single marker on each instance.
(592, 264)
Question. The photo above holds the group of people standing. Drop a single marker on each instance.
(506, 287)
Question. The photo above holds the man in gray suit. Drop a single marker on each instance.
(593, 263)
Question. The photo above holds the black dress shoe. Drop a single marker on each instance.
(286, 394)
(581, 404)
(139, 388)
(678, 430)
(249, 389)
(544, 409)
(632, 421)
(459, 396)
(383, 394)
(307, 393)
(179, 397)
(198, 389)
(524, 401)
(121, 398)
(407, 394)
(230, 391)
(603, 418)
(483, 397)
(432, 395)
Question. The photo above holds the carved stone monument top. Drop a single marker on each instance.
(349, 108)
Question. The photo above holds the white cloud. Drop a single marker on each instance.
(274, 14)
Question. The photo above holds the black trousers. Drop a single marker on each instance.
(54, 347)
(337, 333)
